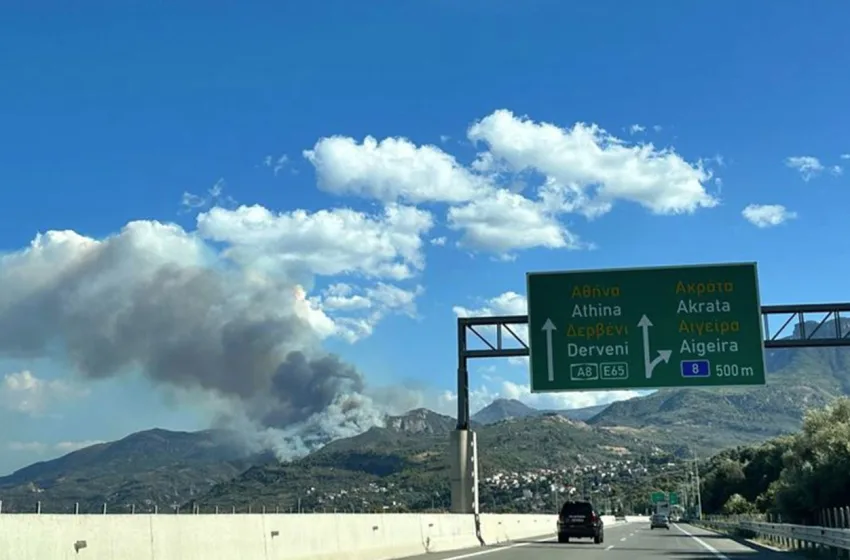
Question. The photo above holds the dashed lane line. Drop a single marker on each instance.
(510, 546)
(496, 549)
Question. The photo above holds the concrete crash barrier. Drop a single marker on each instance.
(258, 537)
(496, 528)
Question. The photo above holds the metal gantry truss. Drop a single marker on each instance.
(808, 333)
(830, 326)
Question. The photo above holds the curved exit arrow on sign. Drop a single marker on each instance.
(663, 355)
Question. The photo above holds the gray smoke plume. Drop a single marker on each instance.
(157, 300)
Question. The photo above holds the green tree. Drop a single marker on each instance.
(816, 471)
(738, 505)
(722, 481)
(764, 466)
(795, 476)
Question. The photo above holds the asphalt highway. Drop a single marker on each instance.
(631, 541)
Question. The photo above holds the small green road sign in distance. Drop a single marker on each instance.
(674, 499)
(658, 497)
(644, 328)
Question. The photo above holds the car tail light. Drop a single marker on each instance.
(594, 517)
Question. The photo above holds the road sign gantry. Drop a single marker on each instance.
(803, 325)
(828, 329)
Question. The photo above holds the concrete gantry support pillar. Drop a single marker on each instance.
(464, 471)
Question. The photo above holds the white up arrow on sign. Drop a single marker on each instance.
(548, 327)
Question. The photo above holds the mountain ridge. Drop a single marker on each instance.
(163, 468)
(503, 409)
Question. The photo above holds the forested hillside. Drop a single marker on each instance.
(795, 476)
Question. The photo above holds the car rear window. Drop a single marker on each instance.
(576, 508)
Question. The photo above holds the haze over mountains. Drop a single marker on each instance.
(163, 469)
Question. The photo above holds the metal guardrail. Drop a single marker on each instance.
(823, 536)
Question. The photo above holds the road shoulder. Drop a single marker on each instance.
(729, 547)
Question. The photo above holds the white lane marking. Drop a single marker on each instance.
(609, 547)
(497, 548)
(703, 544)
(624, 538)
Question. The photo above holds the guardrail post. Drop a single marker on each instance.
(833, 522)
(787, 541)
(824, 522)
(829, 523)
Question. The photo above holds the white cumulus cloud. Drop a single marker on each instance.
(589, 169)
(356, 311)
(25, 393)
(767, 215)
(327, 242)
(392, 169)
(507, 221)
(807, 166)
(496, 203)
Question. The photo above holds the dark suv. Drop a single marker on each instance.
(580, 520)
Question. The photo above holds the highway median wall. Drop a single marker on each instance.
(317, 536)
(256, 536)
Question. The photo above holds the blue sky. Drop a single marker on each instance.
(374, 169)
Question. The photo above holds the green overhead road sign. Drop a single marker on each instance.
(658, 497)
(688, 326)
(674, 499)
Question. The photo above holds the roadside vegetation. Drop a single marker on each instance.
(794, 476)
